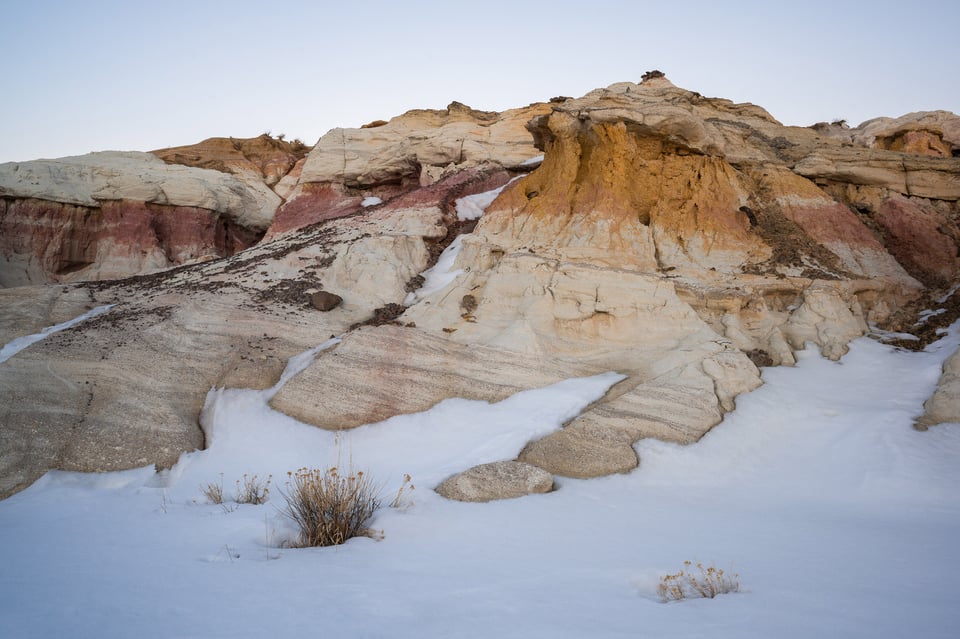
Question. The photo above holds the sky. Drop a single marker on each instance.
(134, 75)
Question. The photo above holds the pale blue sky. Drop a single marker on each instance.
(94, 75)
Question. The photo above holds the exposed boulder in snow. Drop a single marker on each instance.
(499, 480)
(944, 405)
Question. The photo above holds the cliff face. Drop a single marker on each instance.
(388, 159)
(109, 215)
(679, 240)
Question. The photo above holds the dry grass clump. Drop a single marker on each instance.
(252, 490)
(702, 582)
(329, 508)
(213, 491)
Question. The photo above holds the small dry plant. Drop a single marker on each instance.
(697, 581)
(329, 508)
(251, 490)
(214, 491)
(401, 500)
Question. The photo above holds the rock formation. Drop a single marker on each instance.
(679, 240)
(109, 215)
(387, 159)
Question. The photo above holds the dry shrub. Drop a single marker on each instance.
(252, 490)
(329, 508)
(214, 491)
(702, 582)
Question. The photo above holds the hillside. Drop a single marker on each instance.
(678, 240)
(642, 326)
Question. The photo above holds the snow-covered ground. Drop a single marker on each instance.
(841, 520)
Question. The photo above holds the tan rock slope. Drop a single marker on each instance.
(679, 240)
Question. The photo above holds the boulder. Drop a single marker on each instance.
(944, 405)
(325, 300)
(499, 480)
(452, 139)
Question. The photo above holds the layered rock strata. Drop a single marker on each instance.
(388, 159)
(682, 241)
(108, 215)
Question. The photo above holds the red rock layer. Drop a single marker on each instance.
(64, 242)
(924, 240)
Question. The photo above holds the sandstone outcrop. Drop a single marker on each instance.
(266, 158)
(388, 159)
(944, 405)
(679, 240)
(126, 389)
(934, 133)
(110, 214)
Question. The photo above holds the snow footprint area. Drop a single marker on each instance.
(13, 347)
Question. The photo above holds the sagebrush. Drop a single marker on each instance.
(328, 507)
(696, 581)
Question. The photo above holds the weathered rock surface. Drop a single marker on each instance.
(88, 180)
(389, 159)
(126, 389)
(499, 480)
(42, 241)
(267, 158)
(422, 139)
(935, 133)
(664, 235)
(111, 214)
(944, 405)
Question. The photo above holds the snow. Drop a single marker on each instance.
(439, 275)
(371, 200)
(471, 207)
(15, 346)
(839, 517)
(534, 161)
